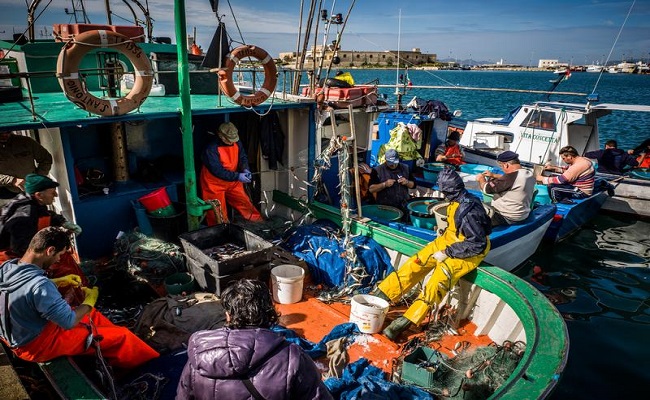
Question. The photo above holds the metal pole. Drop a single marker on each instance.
(108, 12)
(355, 160)
(195, 207)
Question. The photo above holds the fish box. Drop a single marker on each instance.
(65, 32)
(165, 66)
(222, 253)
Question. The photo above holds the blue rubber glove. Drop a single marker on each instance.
(248, 174)
(243, 178)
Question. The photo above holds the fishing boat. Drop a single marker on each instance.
(537, 131)
(111, 150)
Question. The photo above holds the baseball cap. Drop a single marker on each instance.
(391, 156)
(507, 156)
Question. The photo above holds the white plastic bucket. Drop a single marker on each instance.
(440, 211)
(368, 312)
(286, 282)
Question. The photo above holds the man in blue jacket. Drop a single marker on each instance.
(456, 252)
(612, 160)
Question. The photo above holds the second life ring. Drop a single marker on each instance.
(270, 78)
(67, 68)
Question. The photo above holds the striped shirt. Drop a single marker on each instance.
(580, 174)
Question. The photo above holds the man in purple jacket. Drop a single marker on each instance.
(245, 359)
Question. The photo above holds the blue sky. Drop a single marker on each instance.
(517, 31)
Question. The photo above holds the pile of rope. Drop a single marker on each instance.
(147, 258)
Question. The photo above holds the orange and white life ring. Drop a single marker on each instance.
(270, 78)
(67, 68)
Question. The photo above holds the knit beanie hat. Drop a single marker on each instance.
(37, 183)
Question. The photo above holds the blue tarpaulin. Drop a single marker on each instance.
(362, 381)
(319, 246)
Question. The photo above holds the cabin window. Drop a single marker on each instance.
(540, 120)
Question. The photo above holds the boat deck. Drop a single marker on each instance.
(313, 319)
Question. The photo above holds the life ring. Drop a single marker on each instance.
(270, 78)
(67, 67)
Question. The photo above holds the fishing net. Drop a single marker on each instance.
(473, 373)
(147, 258)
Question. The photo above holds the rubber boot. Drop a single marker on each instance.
(380, 294)
(396, 327)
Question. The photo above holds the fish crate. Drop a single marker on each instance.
(421, 367)
(222, 253)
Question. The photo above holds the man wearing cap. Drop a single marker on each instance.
(224, 172)
(27, 214)
(512, 191)
(612, 160)
(19, 156)
(454, 253)
(390, 181)
(450, 151)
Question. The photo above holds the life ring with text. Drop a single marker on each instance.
(67, 68)
(270, 78)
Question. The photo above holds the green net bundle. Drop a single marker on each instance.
(148, 258)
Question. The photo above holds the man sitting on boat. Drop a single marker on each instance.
(642, 152)
(450, 151)
(390, 181)
(27, 214)
(225, 170)
(512, 192)
(612, 160)
(456, 252)
(39, 325)
(576, 180)
(246, 359)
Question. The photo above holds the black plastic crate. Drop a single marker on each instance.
(257, 250)
(207, 281)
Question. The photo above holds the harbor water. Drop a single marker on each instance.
(599, 278)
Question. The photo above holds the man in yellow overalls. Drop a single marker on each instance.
(456, 252)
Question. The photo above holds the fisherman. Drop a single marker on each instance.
(512, 192)
(642, 152)
(27, 214)
(577, 179)
(223, 175)
(612, 160)
(450, 151)
(39, 325)
(390, 181)
(246, 359)
(19, 156)
(456, 252)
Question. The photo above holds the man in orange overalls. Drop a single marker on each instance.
(224, 172)
(39, 325)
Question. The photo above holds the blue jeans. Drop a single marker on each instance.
(563, 191)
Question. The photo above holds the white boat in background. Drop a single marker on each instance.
(594, 68)
(537, 131)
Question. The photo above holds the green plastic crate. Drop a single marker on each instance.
(421, 367)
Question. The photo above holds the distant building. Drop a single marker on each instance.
(362, 58)
(548, 64)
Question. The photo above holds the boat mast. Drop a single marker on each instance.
(108, 12)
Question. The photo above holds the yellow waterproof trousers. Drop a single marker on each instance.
(444, 277)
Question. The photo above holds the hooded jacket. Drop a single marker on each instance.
(612, 160)
(471, 219)
(17, 157)
(19, 222)
(31, 300)
(219, 361)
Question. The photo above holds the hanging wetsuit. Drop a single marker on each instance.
(222, 165)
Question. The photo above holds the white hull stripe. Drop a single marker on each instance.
(103, 38)
(265, 91)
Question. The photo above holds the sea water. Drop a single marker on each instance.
(598, 278)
